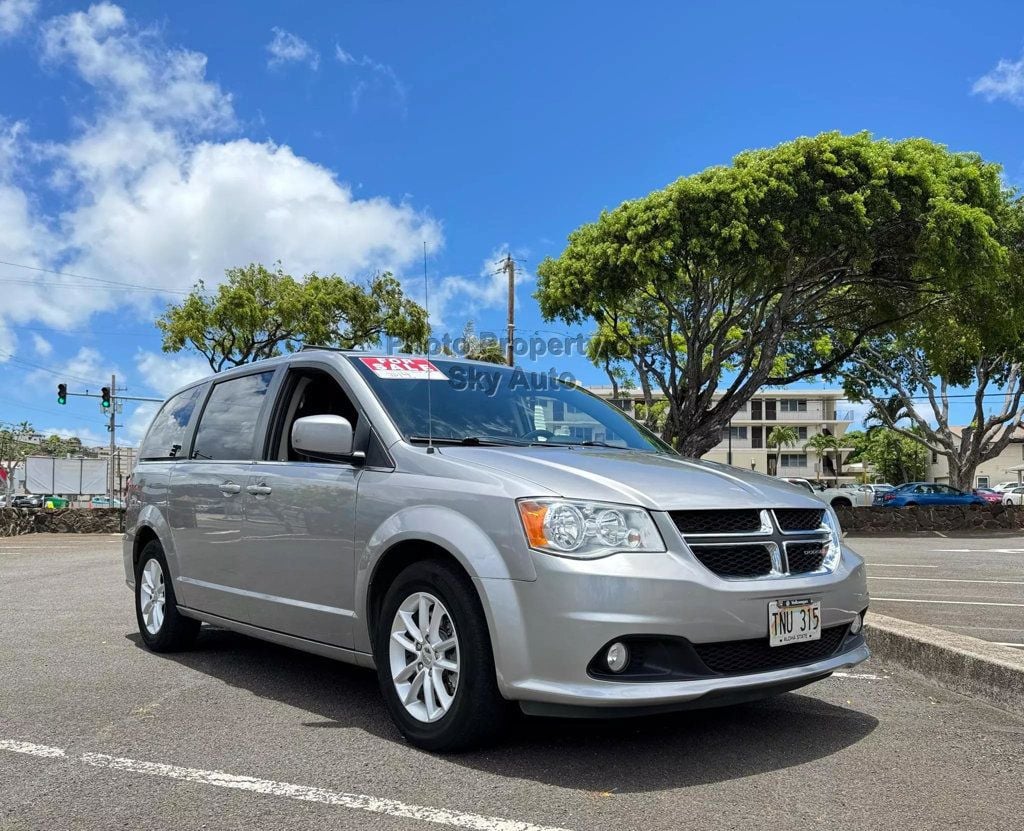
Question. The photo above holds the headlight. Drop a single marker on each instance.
(835, 549)
(586, 530)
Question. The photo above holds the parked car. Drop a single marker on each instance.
(431, 519)
(1005, 486)
(1015, 496)
(845, 496)
(928, 494)
(30, 500)
(990, 496)
(105, 502)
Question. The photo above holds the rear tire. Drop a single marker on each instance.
(434, 706)
(162, 626)
(842, 503)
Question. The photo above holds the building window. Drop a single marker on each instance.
(756, 437)
(737, 432)
(982, 481)
(558, 410)
(793, 460)
(794, 405)
(801, 433)
(755, 409)
(769, 409)
(935, 458)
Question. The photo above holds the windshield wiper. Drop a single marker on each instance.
(471, 441)
(591, 443)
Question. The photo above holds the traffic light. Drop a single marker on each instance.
(62, 393)
(105, 394)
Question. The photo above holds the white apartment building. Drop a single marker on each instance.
(809, 411)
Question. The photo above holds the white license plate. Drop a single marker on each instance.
(790, 621)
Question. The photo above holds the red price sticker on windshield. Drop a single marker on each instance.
(404, 369)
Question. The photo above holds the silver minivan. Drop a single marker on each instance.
(487, 538)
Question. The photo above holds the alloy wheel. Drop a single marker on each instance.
(424, 657)
(152, 596)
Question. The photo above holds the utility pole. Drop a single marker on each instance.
(113, 433)
(510, 269)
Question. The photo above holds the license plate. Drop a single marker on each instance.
(790, 621)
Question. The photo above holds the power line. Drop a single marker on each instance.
(116, 283)
(58, 373)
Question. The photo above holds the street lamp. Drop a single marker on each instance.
(729, 452)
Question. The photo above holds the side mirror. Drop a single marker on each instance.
(323, 435)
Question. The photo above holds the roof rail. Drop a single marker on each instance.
(314, 347)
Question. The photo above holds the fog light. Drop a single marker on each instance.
(617, 657)
(857, 625)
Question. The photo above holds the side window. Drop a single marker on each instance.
(166, 435)
(308, 392)
(227, 427)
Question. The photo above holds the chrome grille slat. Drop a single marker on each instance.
(756, 543)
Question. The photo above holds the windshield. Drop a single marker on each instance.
(492, 404)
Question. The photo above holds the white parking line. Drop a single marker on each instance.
(953, 580)
(899, 565)
(1009, 643)
(866, 676)
(31, 749)
(302, 793)
(952, 602)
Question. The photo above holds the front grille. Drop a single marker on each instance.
(735, 560)
(799, 519)
(745, 657)
(805, 556)
(743, 521)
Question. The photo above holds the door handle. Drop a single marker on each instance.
(230, 488)
(258, 490)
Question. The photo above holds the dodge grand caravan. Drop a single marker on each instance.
(484, 537)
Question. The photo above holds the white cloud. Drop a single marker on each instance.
(15, 15)
(42, 346)
(285, 47)
(1006, 81)
(372, 75)
(155, 188)
(165, 373)
(139, 76)
(457, 299)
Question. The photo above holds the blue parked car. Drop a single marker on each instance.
(926, 494)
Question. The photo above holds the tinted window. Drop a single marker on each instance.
(228, 424)
(166, 435)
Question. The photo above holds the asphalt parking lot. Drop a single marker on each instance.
(971, 585)
(95, 732)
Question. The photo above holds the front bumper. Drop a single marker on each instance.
(545, 632)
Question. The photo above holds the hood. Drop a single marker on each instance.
(658, 481)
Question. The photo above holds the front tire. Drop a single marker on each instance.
(162, 626)
(434, 660)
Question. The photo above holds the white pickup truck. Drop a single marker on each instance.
(849, 496)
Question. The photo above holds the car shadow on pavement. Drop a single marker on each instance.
(623, 755)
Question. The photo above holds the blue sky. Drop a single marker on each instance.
(153, 144)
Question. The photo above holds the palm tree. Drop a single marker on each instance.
(779, 437)
(886, 412)
(822, 444)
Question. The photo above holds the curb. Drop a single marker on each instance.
(965, 665)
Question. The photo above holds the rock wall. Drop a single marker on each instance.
(944, 518)
(17, 521)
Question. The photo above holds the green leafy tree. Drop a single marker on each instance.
(257, 313)
(476, 348)
(890, 455)
(775, 268)
(968, 345)
(14, 447)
